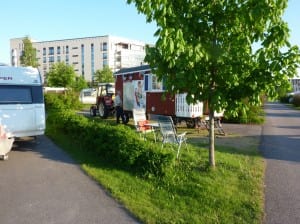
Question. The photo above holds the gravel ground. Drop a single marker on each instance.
(242, 136)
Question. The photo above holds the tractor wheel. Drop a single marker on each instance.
(103, 112)
(93, 111)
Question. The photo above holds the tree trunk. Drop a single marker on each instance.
(211, 138)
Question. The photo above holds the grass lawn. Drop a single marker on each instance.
(191, 192)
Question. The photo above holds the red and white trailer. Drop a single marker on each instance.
(140, 88)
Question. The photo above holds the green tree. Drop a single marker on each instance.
(79, 83)
(205, 48)
(28, 57)
(61, 75)
(104, 75)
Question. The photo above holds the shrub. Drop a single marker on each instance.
(116, 144)
(253, 115)
(68, 100)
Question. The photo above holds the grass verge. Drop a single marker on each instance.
(191, 192)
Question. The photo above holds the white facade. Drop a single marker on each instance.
(86, 55)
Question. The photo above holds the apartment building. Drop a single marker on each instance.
(86, 55)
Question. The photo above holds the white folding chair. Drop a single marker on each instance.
(142, 124)
(169, 133)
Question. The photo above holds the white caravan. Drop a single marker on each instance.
(88, 96)
(22, 108)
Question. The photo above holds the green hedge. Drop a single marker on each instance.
(118, 144)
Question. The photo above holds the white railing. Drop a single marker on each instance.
(183, 109)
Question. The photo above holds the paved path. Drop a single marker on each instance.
(40, 184)
(281, 148)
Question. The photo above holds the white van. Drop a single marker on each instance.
(22, 108)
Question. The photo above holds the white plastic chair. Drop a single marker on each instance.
(142, 124)
(169, 133)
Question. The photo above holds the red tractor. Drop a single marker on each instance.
(104, 100)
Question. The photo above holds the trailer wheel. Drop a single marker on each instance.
(103, 111)
(190, 123)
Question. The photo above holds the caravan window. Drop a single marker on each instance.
(21, 94)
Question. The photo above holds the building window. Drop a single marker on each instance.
(82, 60)
(82, 70)
(104, 46)
(105, 63)
(74, 48)
(124, 46)
(51, 59)
(58, 50)
(51, 50)
(58, 58)
(44, 59)
(104, 55)
(92, 60)
(67, 49)
(67, 59)
(44, 51)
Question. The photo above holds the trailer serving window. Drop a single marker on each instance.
(156, 85)
(152, 83)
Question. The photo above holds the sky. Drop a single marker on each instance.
(66, 19)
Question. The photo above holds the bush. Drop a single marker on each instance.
(119, 145)
(62, 101)
(253, 115)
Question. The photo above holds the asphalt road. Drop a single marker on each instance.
(40, 184)
(281, 148)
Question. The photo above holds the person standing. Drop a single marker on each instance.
(119, 108)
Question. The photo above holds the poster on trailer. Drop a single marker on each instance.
(134, 95)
